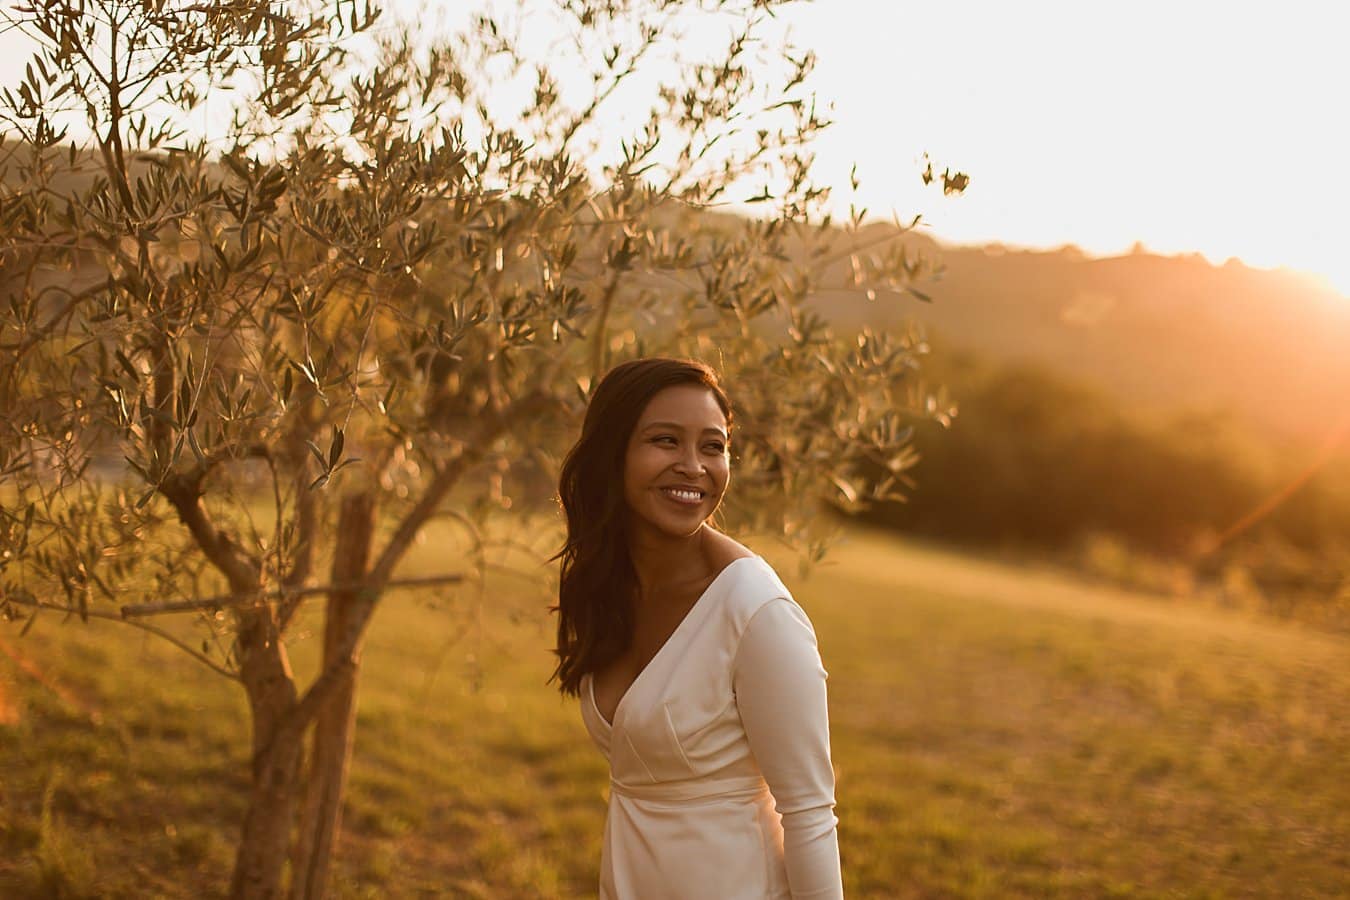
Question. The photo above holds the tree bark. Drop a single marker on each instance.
(348, 611)
(277, 745)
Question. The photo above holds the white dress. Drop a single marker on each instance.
(720, 780)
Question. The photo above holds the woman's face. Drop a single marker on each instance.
(677, 465)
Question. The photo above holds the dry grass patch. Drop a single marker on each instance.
(998, 732)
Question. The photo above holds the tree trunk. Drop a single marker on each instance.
(277, 746)
(326, 781)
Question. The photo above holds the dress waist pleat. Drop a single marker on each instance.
(693, 791)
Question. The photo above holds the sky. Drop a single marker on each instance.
(1195, 126)
(1187, 125)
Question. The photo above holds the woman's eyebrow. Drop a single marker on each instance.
(675, 426)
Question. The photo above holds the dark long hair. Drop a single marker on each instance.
(597, 581)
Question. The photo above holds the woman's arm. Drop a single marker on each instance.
(780, 691)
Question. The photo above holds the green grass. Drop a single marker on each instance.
(998, 732)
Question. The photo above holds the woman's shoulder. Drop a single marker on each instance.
(748, 584)
(722, 550)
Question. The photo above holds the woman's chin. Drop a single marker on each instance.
(674, 527)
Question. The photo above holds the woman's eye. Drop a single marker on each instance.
(716, 448)
(664, 439)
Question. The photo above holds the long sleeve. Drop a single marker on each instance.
(779, 684)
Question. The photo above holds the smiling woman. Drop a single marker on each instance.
(698, 675)
(676, 467)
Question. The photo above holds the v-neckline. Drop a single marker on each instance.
(609, 723)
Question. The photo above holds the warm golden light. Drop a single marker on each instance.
(1199, 127)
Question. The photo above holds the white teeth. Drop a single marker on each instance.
(688, 496)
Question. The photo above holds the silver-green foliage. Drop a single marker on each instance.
(258, 254)
(370, 260)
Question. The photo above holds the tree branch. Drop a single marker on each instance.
(319, 691)
(306, 522)
(528, 405)
(42, 332)
(601, 322)
(185, 496)
(144, 626)
(223, 601)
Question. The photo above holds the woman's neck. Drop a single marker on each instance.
(661, 561)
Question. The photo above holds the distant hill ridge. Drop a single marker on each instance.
(1163, 334)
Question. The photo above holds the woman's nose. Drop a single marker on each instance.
(689, 462)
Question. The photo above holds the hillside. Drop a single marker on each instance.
(997, 732)
(1163, 334)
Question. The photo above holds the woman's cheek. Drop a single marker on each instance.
(722, 478)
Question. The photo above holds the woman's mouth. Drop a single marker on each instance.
(686, 496)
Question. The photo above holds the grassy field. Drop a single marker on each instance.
(998, 732)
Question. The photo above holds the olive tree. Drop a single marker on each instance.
(282, 282)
